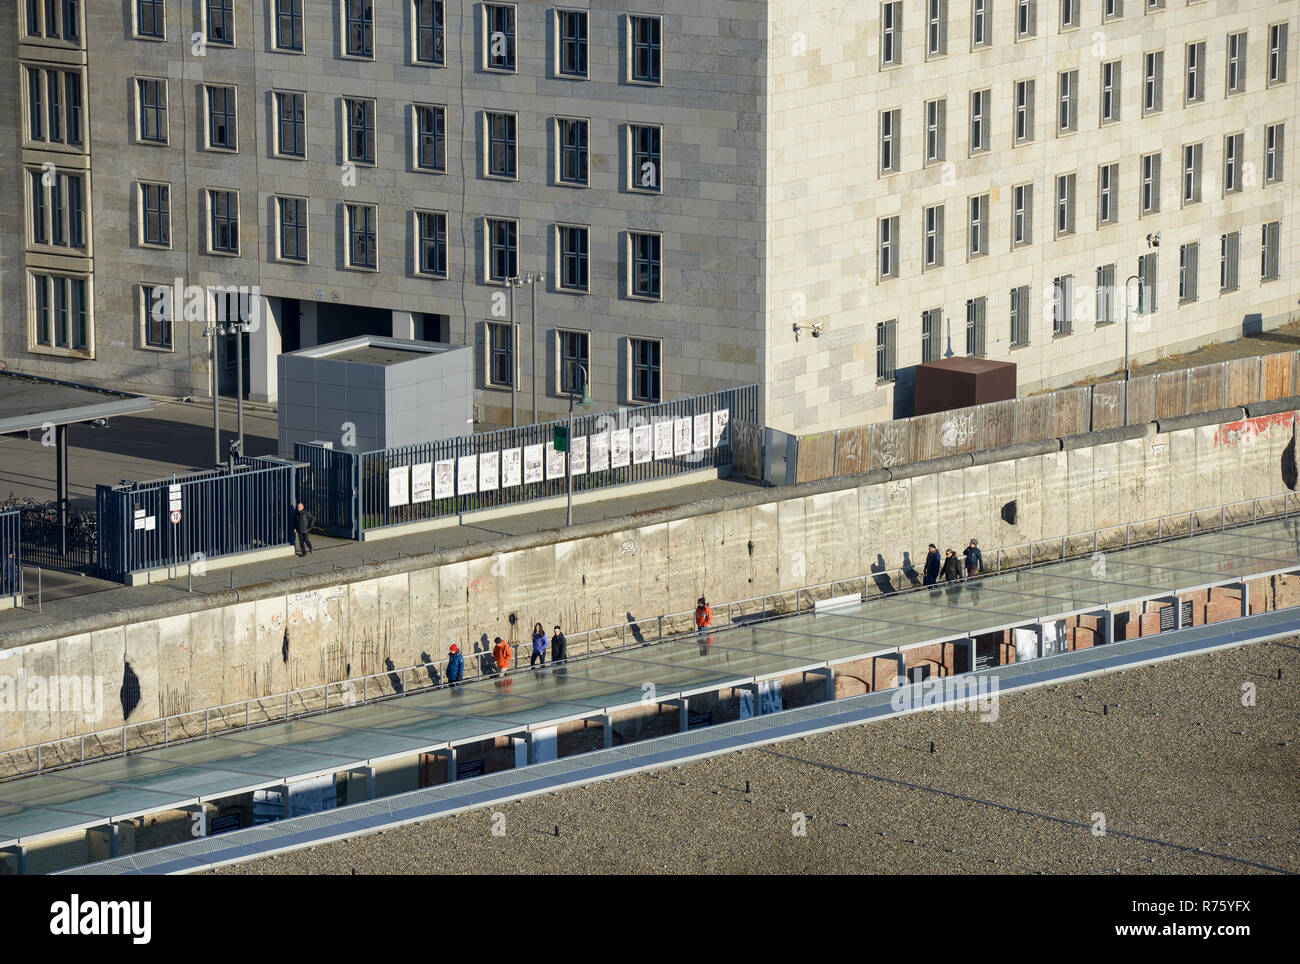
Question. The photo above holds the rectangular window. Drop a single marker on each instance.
(288, 25)
(975, 327)
(1232, 163)
(360, 28)
(54, 20)
(35, 104)
(62, 315)
(1112, 10)
(1026, 18)
(886, 350)
(1107, 193)
(149, 20)
(223, 208)
(1229, 261)
(40, 210)
(1150, 184)
(936, 28)
(503, 249)
(1147, 290)
(1110, 92)
(1274, 137)
(889, 136)
(1270, 265)
(1277, 41)
(1065, 205)
(931, 334)
(1189, 256)
(645, 369)
(54, 108)
(155, 220)
(363, 239)
(153, 110)
(1236, 63)
(499, 37)
(58, 210)
(936, 112)
(1062, 306)
(1024, 112)
(645, 56)
(891, 34)
(361, 130)
(645, 158)
(1022, 214)
(1067, 113)
(573, 257)
(1020, 317)
(429, 30)
(979, 121)
(500, 354)
(1191, 173)
(978, 244)
(572, 140)
(156, 302)
(1195, 88)
(645, 265)
(573, 43)
(292, 212)
(291, 124)
(1106, 294)
(502, 145)
(980, 15)
(431, 241)
(574, 357)
(888, 246)
(1153, 81)
(430, 138)
(1069, 14)
(221, 23)
(222, 125)
(933, 221)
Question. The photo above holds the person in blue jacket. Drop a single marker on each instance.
(932, 566)
(974, 559)
(455, 666)
(539, 646)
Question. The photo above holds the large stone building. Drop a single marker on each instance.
(809, 194)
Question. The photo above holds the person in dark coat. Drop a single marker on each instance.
(303, 520)
(932, 566)
(559, 647)
(974, 559)
(539, 647)
(455, 665)
(951, 567)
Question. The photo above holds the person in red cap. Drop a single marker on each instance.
(455, 666)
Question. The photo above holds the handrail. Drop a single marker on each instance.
(397, 678)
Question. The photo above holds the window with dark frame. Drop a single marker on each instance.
(1232, 149)
(429, 32)
(645, 370)
(500, 354)
(1229, 261)
(574, 352)
(221, 22)
(62, 320)
(573, 43)
(222, 123)
(888, 247)
(499, 37)
(223, 209)
(1153, 82)
(361, 130)
(1270, 263)
(502, 144)
(288, 25)
(1062, 306)
(932, 247)
(1236, 63)
(431, 137)
(889, 137)
(886, 350)
(931, 334)
(975, 326)
(646, 53)
(572, 141)
(1189, 256)
(1110, 92)
(1067, 114)
(1022, 214)
(1020, 317)
(153, 110)
(1150, 200)
(573, 257)
(979, 226)
(1277, 46)
(149, 20)
(646, 155)
(1194, 91)
(1106, 294)
(293, 228)
(54, 20)
(1026, 19)
(54, 106)
(980, 32)
(1274, 139)
(431, 229)
(156, 301)
(360, 28)
(979, 121)
(1192, 173)
(936, 112)
(646, 265)
(1107, 194)
(1147, 279)
(363, 239)
(936, 31)
(503, 249)
(1024, 111)
(891, 34)
(155, 204)
(291, 124)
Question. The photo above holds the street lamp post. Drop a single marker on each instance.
(1127, 301)
(514, 347)
(532, 280)
(211, 332)
(568, 463)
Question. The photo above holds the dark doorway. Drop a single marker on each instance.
(337, 322)
(290, 324)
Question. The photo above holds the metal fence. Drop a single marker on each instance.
(169, 522)
(351, 493)
(1036, 418)
(11, 555)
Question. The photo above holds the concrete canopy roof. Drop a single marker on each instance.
(30, 402)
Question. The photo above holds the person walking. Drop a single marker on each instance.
(559, 647)
(539, 647)
(501, 656)
(303, 520)
(951, 566)
(703, 622)
(974, 559)
(455, 665)
(9, 584)
(932, 566)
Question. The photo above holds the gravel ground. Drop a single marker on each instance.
(1188, 779)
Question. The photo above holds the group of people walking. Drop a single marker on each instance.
(503, 655)
(950, 567)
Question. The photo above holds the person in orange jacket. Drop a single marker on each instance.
(703, 621)
(501, 656)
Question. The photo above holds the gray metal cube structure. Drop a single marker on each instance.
(390, 390)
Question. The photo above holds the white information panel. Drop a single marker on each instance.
(444, 479)
(467, 475)
(533, 455)
(702, 437)
(580, 455)
(487, 471)
(664, 439)
(422, 482)
(511, 467)
(620, 443)
(599, 452)
(399, 480)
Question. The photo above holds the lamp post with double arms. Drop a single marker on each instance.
(532, 280)
(568, 458)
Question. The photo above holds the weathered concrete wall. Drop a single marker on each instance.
(401, 613)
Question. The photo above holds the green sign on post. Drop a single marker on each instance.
(561, 441)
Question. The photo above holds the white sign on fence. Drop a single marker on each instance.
(399, 492)
(421, 482)
(444, 479)
(554, 462)
(511, 467)
(682, 436)
(664, 439)
(467, 475)
(702, 436)
(619, 443)
(641, 444)
(487, 471)
(599, 452)
(721, 420)
(579, 446)
(533, 455)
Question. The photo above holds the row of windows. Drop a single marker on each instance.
(1026, 26)
(1067, 107)
(572, 353)
(1237, 174)
(498, 23)
(53, 20)
(500, 135)
(1064, 304)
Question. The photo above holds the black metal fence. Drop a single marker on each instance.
(11, 555)
(50, 546)
(350, 493)
(194, 518)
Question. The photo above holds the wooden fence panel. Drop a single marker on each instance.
(888, 444)
(854, 453)
(1142, 399)
(960, 430)
(926, 432)
(1034, 420)
(816, 457)
(1279, 375)
(1107, 405)
(1242, 375)
(999, 423)
(747, 449)
(1072, 415)
(1171, 394)
(1205, 391)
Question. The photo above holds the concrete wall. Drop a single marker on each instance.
(768, 541)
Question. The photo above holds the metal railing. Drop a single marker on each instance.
(351, 493)
(631, 634)
(216, 513)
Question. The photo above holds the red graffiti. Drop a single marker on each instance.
(1247, 430)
